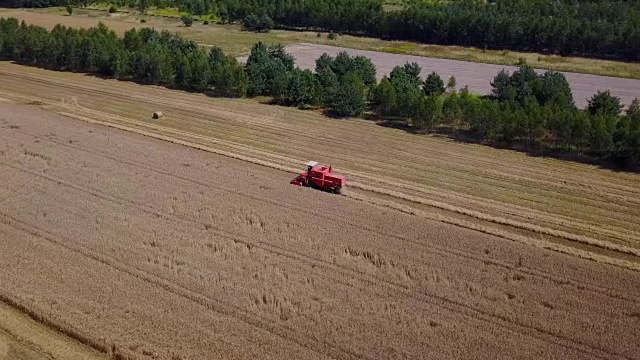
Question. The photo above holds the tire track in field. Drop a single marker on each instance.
(267, 200)
(215, 305)
(436, 300)
(112, 262)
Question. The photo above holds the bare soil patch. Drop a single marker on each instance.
(162, 250)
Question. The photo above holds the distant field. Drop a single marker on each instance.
(237, 42)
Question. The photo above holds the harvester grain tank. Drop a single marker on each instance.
(320, 177)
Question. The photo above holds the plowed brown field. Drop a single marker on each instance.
(143, 247)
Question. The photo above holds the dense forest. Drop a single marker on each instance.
(525, 111)
(593, 28)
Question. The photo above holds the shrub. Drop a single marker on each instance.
(69, 9)
(143, 21)
(255, 23)
(187, 20)
(112, 10)
(206, 22)
(332, 36)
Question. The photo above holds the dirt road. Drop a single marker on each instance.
(161, 250)
(476, 75)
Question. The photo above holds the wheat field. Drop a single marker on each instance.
(181, 238)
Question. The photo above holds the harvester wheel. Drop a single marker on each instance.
(338, 190)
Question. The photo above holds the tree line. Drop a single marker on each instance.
(526, 110)
(593, 28)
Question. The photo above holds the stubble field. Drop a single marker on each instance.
(439, 249)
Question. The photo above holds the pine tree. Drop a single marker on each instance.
(603, 103)
(349, 99)
(384, 98)
(433, 85)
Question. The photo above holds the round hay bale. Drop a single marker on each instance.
(157, 115)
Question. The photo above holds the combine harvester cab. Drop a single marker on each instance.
(320, 177)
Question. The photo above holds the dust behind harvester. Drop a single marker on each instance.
(320, 177)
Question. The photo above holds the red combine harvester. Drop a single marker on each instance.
(320, 177)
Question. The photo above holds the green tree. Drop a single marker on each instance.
(364, 67)
(183, 72)
(601, 140)
(324, 62)
(524, 80)
(264, 66)
(483, 119)
(256, 23)
(187, 20)
(408, 93)
(433, 85)
(428, 111)
(329, 83)
(384, 98)
(199, 78)
(413, 70)
(451, 84)
(560, 127)
(143, 5)
(344, 64)
(603, 103)
(349, 99)
(451, 111)
(500, 86)
(299, 88)
(227, 78)
(554, 89)
(634, 108)
(580, 132)
(626, 138)
(277, 52)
